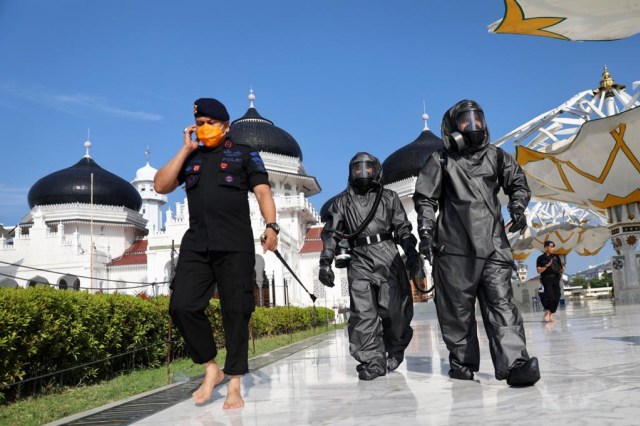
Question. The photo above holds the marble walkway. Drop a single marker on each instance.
(589, 360)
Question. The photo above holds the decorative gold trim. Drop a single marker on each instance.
(514, 22)
(526, 155)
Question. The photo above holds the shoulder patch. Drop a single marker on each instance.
(254, 156)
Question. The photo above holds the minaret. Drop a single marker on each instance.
(152, 202)
(608, 86)
(425, 116)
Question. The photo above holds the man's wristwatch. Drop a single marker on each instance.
(274, 226)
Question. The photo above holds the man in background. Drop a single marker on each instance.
(550, 268)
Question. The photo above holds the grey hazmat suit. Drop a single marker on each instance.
(473, 257)
(379, 288)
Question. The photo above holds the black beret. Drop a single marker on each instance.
(210, 107)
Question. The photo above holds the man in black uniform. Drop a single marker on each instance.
(474, 259)
(550, 268)
(379, 289)
(218, 248)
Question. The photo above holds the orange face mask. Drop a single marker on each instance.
(210, 136)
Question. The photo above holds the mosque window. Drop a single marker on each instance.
(318, 289)
(344, 287)
(287, 186)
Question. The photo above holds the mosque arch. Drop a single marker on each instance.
(260, 281)
(69, 281)
(8, 282)
(37, 280)
(169, 270)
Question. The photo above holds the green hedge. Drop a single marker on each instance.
(43, 331)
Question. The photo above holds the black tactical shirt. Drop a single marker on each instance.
(554, 271)
(217, 181)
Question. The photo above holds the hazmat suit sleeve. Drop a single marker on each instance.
(427, 193)
(514, 183)
(331, 233)
(402, 227)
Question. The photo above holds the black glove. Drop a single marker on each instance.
(518, 220)
(415, 267)
(426, 247)
(326, 275)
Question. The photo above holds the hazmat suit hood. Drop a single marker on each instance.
(464, 128)
(365, 172)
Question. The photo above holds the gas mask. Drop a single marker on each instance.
(210, 136)
(365, 171)
(464, 128)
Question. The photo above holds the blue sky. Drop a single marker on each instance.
(340, 76)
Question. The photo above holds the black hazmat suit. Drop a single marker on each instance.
(379, 288)
(473, 257)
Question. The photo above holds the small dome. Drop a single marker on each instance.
(73, 185)
(262, 135)
(408, 160)
(146, 173)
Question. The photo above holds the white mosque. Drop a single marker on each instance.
(91, 230)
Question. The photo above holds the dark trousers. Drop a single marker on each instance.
(197, 275)
(459, 283)
(381, 311)
(551, 298)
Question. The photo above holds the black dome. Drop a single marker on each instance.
(259, 133)
(324, 211)
(408, 160)
(73, 185)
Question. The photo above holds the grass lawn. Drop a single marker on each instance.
(56, 405)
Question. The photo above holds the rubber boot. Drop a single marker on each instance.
(367, 374)
(525, 373)
(461, 373)
(394, 360)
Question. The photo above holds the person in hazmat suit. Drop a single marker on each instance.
(468, 246)
(364, 222)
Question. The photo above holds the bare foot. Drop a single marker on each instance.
(212, 376)
(547, 316)
(551, 319)
(234, 398)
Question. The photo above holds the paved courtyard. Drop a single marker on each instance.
(589, 361)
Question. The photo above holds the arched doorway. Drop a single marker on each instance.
(262, 283)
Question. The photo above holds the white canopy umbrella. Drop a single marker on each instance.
(586, 151)
(570, 19)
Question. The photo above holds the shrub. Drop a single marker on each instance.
(45, 331)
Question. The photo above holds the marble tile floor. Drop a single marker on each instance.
(589, 360)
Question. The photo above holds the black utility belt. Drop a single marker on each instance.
(371, 239)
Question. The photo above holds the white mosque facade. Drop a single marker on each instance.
(91, 230)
